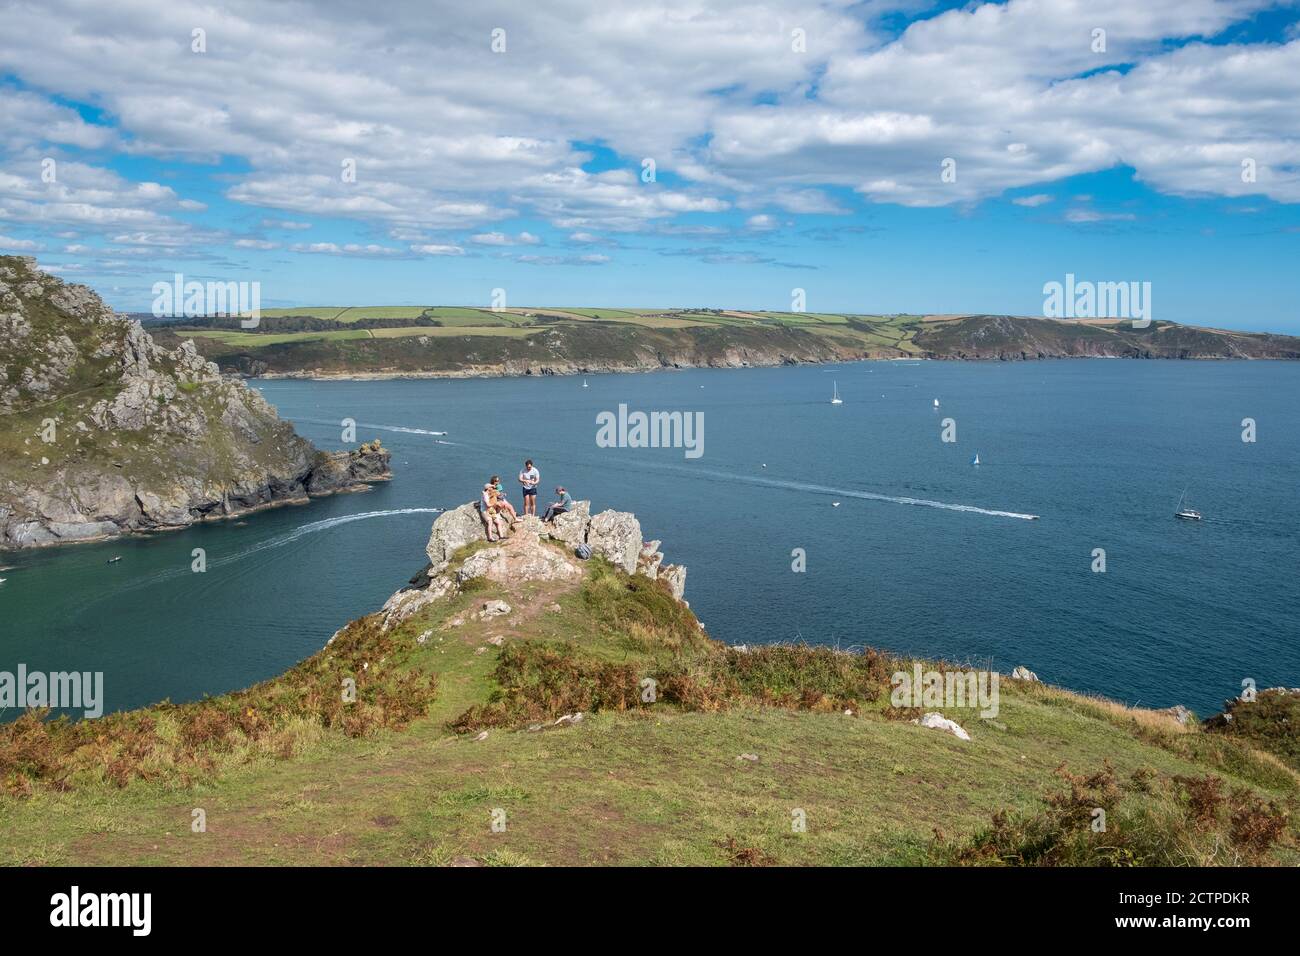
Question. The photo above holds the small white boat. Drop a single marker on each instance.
(976, 459)
(1187, 514)
(835, 399)
(936, 403)
(835, 504)
(584, 383)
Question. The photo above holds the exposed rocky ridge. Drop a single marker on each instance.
(534, 551)
(102, 431)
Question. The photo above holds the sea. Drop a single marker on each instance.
(861, 524)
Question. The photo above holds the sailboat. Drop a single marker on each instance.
(1187, 514)
(976, 459)
(936, 403)
(584, 383)
(835, 399)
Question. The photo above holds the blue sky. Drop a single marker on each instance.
(795, 145)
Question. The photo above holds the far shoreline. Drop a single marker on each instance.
(319, 375)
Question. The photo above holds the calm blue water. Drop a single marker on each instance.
(1100, 450)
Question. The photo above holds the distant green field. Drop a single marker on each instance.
(847, 330)
(449, 315)
(262, 339)
(453, 331)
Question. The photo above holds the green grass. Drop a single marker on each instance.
(261, 339)
(634, 783)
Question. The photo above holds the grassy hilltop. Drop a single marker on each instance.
(459, 715)
(458, 340)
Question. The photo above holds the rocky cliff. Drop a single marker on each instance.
(103, 432)
(534, 551)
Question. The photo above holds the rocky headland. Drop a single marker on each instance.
(104, 432)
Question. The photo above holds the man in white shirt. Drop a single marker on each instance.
(529, 478)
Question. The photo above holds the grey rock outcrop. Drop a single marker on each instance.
(534, 551)
(452, 531)
(571, 527)
(616, 536)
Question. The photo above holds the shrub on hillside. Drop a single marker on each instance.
(1149, 820)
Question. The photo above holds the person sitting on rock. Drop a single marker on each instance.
(493, 519)
(557, 508)
(503, 503)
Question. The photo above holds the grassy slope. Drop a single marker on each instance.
(655, 784)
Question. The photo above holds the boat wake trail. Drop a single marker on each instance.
(311, 528)
(382, 428)
(865, 495)
(276, 542)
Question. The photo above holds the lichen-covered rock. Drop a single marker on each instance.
(571, 527)
(452, 531)
(937, 721)
(522, 557)
(675, 575)
(649, 560)
(616, 536)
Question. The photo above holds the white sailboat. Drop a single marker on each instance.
(936, 403)
(835, 399)
(976, 459)
(584, 383)
(1187, 514)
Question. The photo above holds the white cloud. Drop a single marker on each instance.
(1092, 215)
(370, 250)
(502, 239)
(447, 136)
(433, 249)
(256, 244)
(10, 244)
(1037, 199)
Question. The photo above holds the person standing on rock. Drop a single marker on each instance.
(560, 506)
(529, 478)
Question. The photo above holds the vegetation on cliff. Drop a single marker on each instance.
(485, 696)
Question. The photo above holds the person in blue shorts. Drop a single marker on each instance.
(529, 478)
